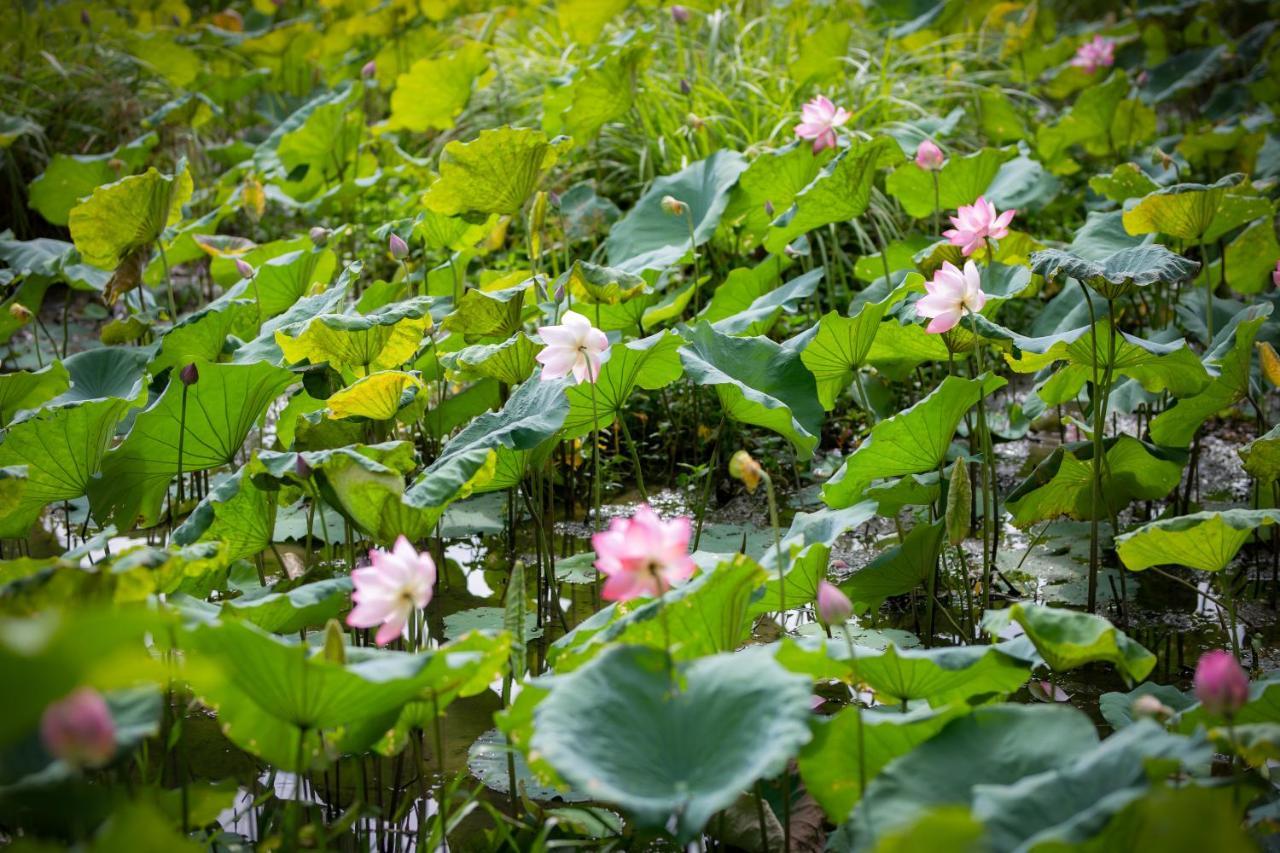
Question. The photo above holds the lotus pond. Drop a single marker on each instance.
(776, 425)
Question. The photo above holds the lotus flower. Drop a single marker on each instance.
(643, 555)
(929, 156)
(369, 69)
(952, 294)
(821, 118)
(976, 223)
(1095, 54)
(79, 730)
(833, 606)
(1275, 275)
(388, 591)
(574, 347)
(1220, 684)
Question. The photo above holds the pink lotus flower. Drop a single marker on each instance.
(79, 730)
(833, 606)
(952, 294)
(976, 223)
(821, 118)
(929, 156)
(1095, 54)
(387, 592)
(1220, 684)
(1275, 275)
(575, 347)
(643, 555)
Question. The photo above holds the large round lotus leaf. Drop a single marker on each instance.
(1203, 540)
(619, 731)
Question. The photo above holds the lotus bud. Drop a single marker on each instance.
(743, 467)
(685, 88)
(929, 156)
(1275, 275)
(696, 122)
(768, 208)
(399, 248)
(554, 198)
(319, 235)
(1220, 684)
(302, 468)
(558, 296)
(244, 268)
(838, 565)
(833, 606)
(1143, 77)
(20, 312)
(674, 206)
(538, 211)
(84, 17)
(369, 69)
(189, 375)
(78, 729)
(1149, 707)
(680, 15)
(959, 503)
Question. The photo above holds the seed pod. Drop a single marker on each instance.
(959, 503)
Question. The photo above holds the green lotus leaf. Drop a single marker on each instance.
(584, 20)
(27, 389)
(805, 551)
(758, 382)
(993, 746)
(1207, 541)
(595, 94)
(1231, 356)
(650, 363)
(1263, 706)
(1193, 815)
(774, 178)
(222, 408)
(235, 513)
(488, 313)
(1117, 708)
(960, 181)
(497, 172)
(590, 284)
(434, 91)
(70, 177)
(1126, 181)
(709, 614)
(743, 286)
(830, 764)
(1063, 483)
(761, 315)
(1102, 120)
(840, 192)
(1185, 211)
(123, 217)
(282, 280)
(378, 396)
(897, 571)
(307, 606)
(898, 348)
(314, 146)
(1118, 274)
(1067, 639)
(1184, 72)
(843, 345)
(1250, 259)
(649, 238)
(386, 338)
(202, 336)
(1261, 457)
(911, 442)
(684, 758)
(510, 362)
(893, 496)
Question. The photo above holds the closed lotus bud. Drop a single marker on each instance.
(743, 467)
(84, 17)
(929, 156)
(1150, 707)
(369, 69)
(680, 14)
(685, 88)
(244, 268)
(554, 198)
(959, 503)
(399, 248)
(558, 296)
(768, 208)
(1143, 77)
(538, 211)
(20, 312)
(189, 374)
(302, 468)
(78, 729)
(833, 606)
(1220, 684)
(319, 235)
(674, 206)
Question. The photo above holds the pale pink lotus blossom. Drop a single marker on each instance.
(1100, 52)
(388, 591)
(78, 729)
(820, 119)
(833, 606)
(643, 555)
(1220, 684)
(929, 156)
(976, 223)
(574, 347)
(952, 294)
(1275, 275)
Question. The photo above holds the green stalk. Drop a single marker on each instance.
(182, 434)
(777, 544)
(1099, 450)
(595, 450)
(1208, 296)
(988, 475)
(635, 456)
(862, 753)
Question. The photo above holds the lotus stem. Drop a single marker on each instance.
(862, 754)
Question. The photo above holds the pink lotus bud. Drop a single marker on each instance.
(558, 296)
(1149, 707)
(834, 607)
(244, 268)
(839, 565)
(1220, 684)
(79, 730)
(189, 374)
(399, 248)
(685, 88)
(302, 468)
(84, 17)
(929, 156)
(319, 235)
(768, 207)
(680, 14)
(1275, 275)
(369, 69)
